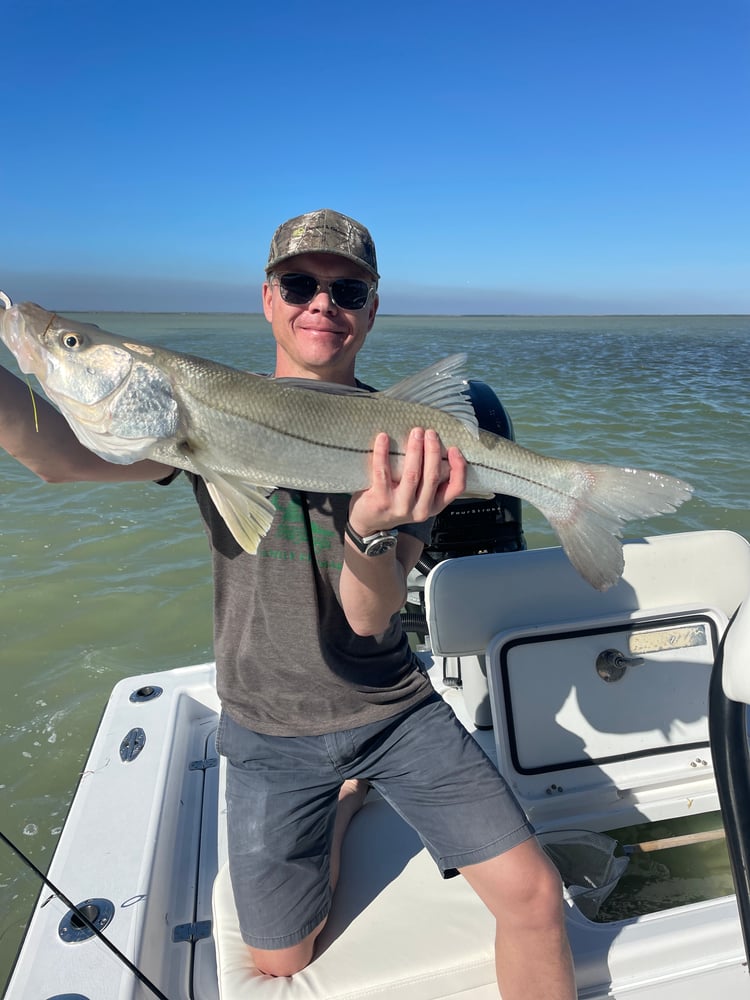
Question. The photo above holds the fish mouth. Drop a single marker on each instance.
(25, 349)
(10, 319)
(6, 334)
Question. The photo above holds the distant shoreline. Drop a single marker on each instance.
(382, 315)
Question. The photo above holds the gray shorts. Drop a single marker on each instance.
(281, 803)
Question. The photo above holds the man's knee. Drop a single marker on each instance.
(286, 961)
(520, 885)
(282, 961)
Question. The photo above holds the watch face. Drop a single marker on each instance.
(380, 545)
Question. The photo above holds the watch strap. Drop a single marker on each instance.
(368, 544)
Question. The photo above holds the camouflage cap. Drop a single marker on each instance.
(323, 231)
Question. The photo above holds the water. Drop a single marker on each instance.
(673, 876)
(99, 582)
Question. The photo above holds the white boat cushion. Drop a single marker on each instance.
(396, 929)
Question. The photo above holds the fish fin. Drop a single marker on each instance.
(441, 386)
(606, 498)
(246, 509)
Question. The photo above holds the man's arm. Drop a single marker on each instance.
(39, 437)
(373, 588)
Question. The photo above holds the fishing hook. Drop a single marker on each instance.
(5, 299)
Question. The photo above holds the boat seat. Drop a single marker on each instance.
(599, 700)
(397, 929)
(470, 601)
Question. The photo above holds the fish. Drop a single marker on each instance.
(248, 434)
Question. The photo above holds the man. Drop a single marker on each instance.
(320, 692)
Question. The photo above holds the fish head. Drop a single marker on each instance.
(77, 361)
(114, 395)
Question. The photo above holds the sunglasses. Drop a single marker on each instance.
(298, 289)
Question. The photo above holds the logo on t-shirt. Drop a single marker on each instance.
(291, 531)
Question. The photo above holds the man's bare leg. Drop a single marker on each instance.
(288, 961)
(532, 955)
(352, 797)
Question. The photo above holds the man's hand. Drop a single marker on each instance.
(430, 479)
(372, 589)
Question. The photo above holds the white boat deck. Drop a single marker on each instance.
(148, 835)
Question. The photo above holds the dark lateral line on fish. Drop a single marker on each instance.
(525, 479)
(476, 465)
(186, 449)
(401, 454)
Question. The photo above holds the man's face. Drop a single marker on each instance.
(318, 339)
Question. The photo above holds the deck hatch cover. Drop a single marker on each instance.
(544, 675)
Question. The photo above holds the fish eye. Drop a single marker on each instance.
(71, 340)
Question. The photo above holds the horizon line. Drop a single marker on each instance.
(449, 315)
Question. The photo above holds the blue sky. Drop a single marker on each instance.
(532, 157)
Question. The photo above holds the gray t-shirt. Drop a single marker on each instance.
(287, 661)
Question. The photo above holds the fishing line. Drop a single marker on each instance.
(33, 406)
(84, 919)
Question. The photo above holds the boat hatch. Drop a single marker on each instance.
(573, 740)
(599, 700)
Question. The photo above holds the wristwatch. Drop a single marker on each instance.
(375, 544)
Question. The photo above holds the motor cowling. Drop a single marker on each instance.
(472, 526)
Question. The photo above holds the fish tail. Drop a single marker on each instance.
(602, 500)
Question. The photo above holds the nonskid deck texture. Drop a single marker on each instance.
(149, 834)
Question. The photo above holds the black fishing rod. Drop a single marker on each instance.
(728, 731)
(80, 915)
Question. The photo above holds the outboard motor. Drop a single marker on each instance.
(473, 526)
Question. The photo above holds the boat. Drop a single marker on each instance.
(611, 714)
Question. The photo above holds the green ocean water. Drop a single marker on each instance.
(99, 582)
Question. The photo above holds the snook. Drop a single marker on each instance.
(246, 434)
